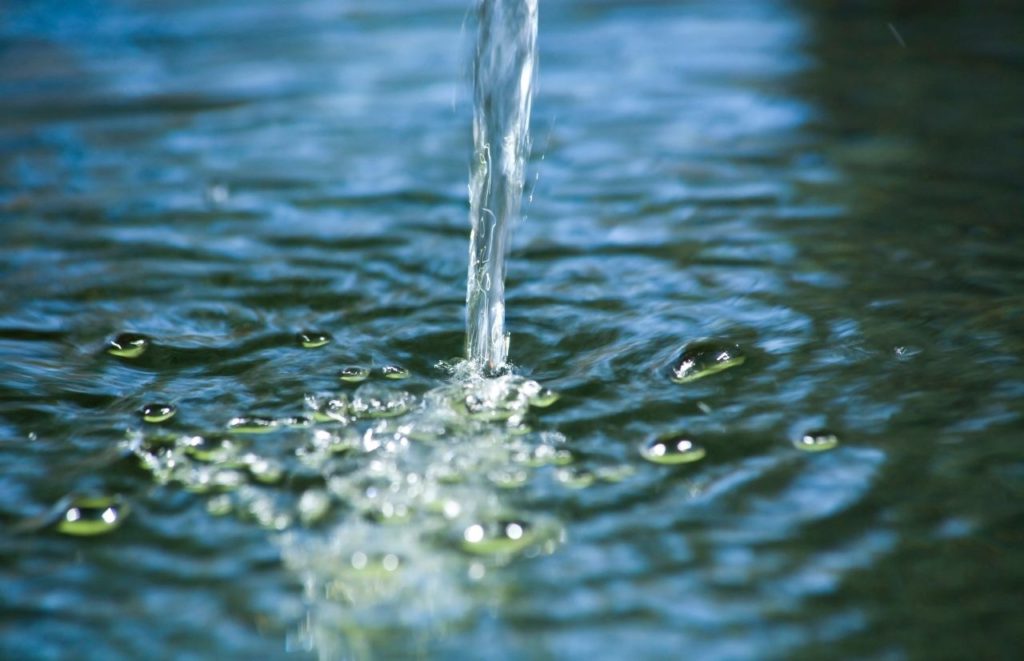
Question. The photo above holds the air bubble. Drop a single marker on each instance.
(575, 478)
(87, 516)
(503, 536)
(313, 339)
(542, 455)
(294, 422)
(817, 441)
(252, 424)
(371, 400)
(354, 374)
(128, 345)
(544, 398)
(204, 479)
(158, 412)
(263, 469)
(313, 506)
(217, 193)
(389, 513)
(496, 400)
(375, 566)
(673, 451)
(394, 372)
(508, 478)
(700, 359)
(210, 449)
(614, 473)
(329, 408)
(220, 505)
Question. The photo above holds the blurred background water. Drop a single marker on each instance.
(836, 187)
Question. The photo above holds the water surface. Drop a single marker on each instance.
(793, 179)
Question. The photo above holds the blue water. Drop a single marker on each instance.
(788, 177)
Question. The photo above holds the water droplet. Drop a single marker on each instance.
(354, 374)
(575, 478)
(158, 412)
(700, 359)
(252, 424)
(128, 345)
(92, 515)
(313, 505)
(313, 339)
(673, 451)
(817, 441)
(502, 536)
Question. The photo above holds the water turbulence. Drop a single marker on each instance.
(393, 506)
(503, 75)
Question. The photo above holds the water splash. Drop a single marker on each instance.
(390, 506)
(503, 74)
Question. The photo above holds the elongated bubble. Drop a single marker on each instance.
(503, 74)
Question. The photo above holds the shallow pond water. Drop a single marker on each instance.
(272, 196)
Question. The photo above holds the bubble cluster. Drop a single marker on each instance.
(378, 492)
(373, 400)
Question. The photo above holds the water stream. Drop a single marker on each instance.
(503, 75)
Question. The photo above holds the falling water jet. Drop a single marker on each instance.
(503, 74)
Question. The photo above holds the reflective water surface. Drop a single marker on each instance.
(252, 216)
